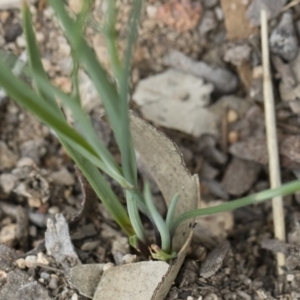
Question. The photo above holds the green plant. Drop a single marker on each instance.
(81, 141)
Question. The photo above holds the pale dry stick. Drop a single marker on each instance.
(274, 166)
(291, 4)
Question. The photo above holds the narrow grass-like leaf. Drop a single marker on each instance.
(284, 190)
(26, 97)
(158, 220)
(126, 143)
(34, 56)
(86, 128)
(110, 35)
(102, 189)
(171, 211)
(86, 56)
(134, 216)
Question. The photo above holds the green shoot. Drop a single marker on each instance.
(158, 220)
(82, 142)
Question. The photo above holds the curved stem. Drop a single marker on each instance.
(284, 190)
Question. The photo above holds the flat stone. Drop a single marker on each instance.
(63, 177)
(240, 176)
(176, 100)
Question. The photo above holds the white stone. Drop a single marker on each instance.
(20, 41)
(107, 266)
(30, 261)
(21, 263)
(74, 296)
(10, 4)
(129, 259)
(177, 100)
(290, 277)
(8, 234)
(42, 259)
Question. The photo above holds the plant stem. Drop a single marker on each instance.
(274, 165)
(284, 190)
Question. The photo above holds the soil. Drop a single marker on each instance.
(232, 255)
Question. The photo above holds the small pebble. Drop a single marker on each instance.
(283, 39)
(30, 261)
(233, 137)
(7, 183)
(74, 297)
(219, 13)
(2, 41)
(63, 177)
(290, 277)
(41, 280)
(208, 22)
(190, 298)
(3, 275)
(211, 297)
(7, 158)
(42, 259)
(21, 263)
(20, 41)
(107, 266)
(53, 282)
(129, 259)
(8, 234)
(90, 246)
(210, 3)
(232, 116)
(45, 276)
(53, 210)
(12, 32)
(40, 37)
(32, 231)
(34, 202)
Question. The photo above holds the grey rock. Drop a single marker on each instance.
(7, 158)
(63, 177)
(7, 183)
(208, 22)
(283, 40)
(53, 283)
(19, 286)
(237, 54)
(240, 176)
(58, 242)
(210, 3)
(273, 8)
(214, 260)
(7, 257)
(223, 80)
(12, 32)
(33, 149)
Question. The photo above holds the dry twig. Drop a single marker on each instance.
(274, 166)
(290, 5)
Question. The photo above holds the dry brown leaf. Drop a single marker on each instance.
(237, 25)
(182, 15)
(89, 204)
(163, 161)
